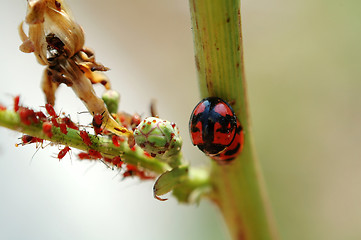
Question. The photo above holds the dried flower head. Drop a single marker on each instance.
(47, 18)
(58, 42)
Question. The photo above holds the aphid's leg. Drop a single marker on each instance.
(49, 87)
(27, 46)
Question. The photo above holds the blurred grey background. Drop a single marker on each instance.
(302, 62)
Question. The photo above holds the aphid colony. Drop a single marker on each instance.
(51, 120)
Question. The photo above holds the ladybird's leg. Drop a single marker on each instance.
(232, 102)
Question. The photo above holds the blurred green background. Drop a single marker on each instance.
(303, 69)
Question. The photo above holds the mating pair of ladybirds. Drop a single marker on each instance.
(215, 129)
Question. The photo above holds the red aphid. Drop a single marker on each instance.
(94, 154)
(24, 116)
(97, 123)
(63, 152)
(128, 174)
(115, 140)
(131, 143)
(47, 127)
(2, 108)
(98, 130)
(16, 103)
(27, 139)
(41, 116)
(63, 128)
(86, 139)
(54, 122)
(69, 123)
(117, 161)
(98, 120)
(135, 121)
(27, 116)
(33, 116)
(83, 155)
(147, 154)
(50, 109)
(134, 171)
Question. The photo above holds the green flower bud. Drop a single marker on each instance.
(160, 138)
(111, 99)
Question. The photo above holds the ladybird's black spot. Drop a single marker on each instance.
(233, 151)
(194, 129)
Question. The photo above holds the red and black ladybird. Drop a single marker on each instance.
(212, 125)
(232, 150)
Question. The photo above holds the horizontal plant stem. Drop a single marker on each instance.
(102, 144)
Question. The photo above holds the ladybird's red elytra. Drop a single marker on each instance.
(232, 150)
(212, 125)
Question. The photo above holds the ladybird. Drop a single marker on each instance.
(212, 125)
(232, 150)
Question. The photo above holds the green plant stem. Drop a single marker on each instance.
(190, 185)
(238, 188)
(102, 144)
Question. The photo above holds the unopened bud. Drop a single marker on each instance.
(111, 99)
(158, 137)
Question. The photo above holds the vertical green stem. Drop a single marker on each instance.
(238, 188)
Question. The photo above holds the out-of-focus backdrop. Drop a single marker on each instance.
(303, 68)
